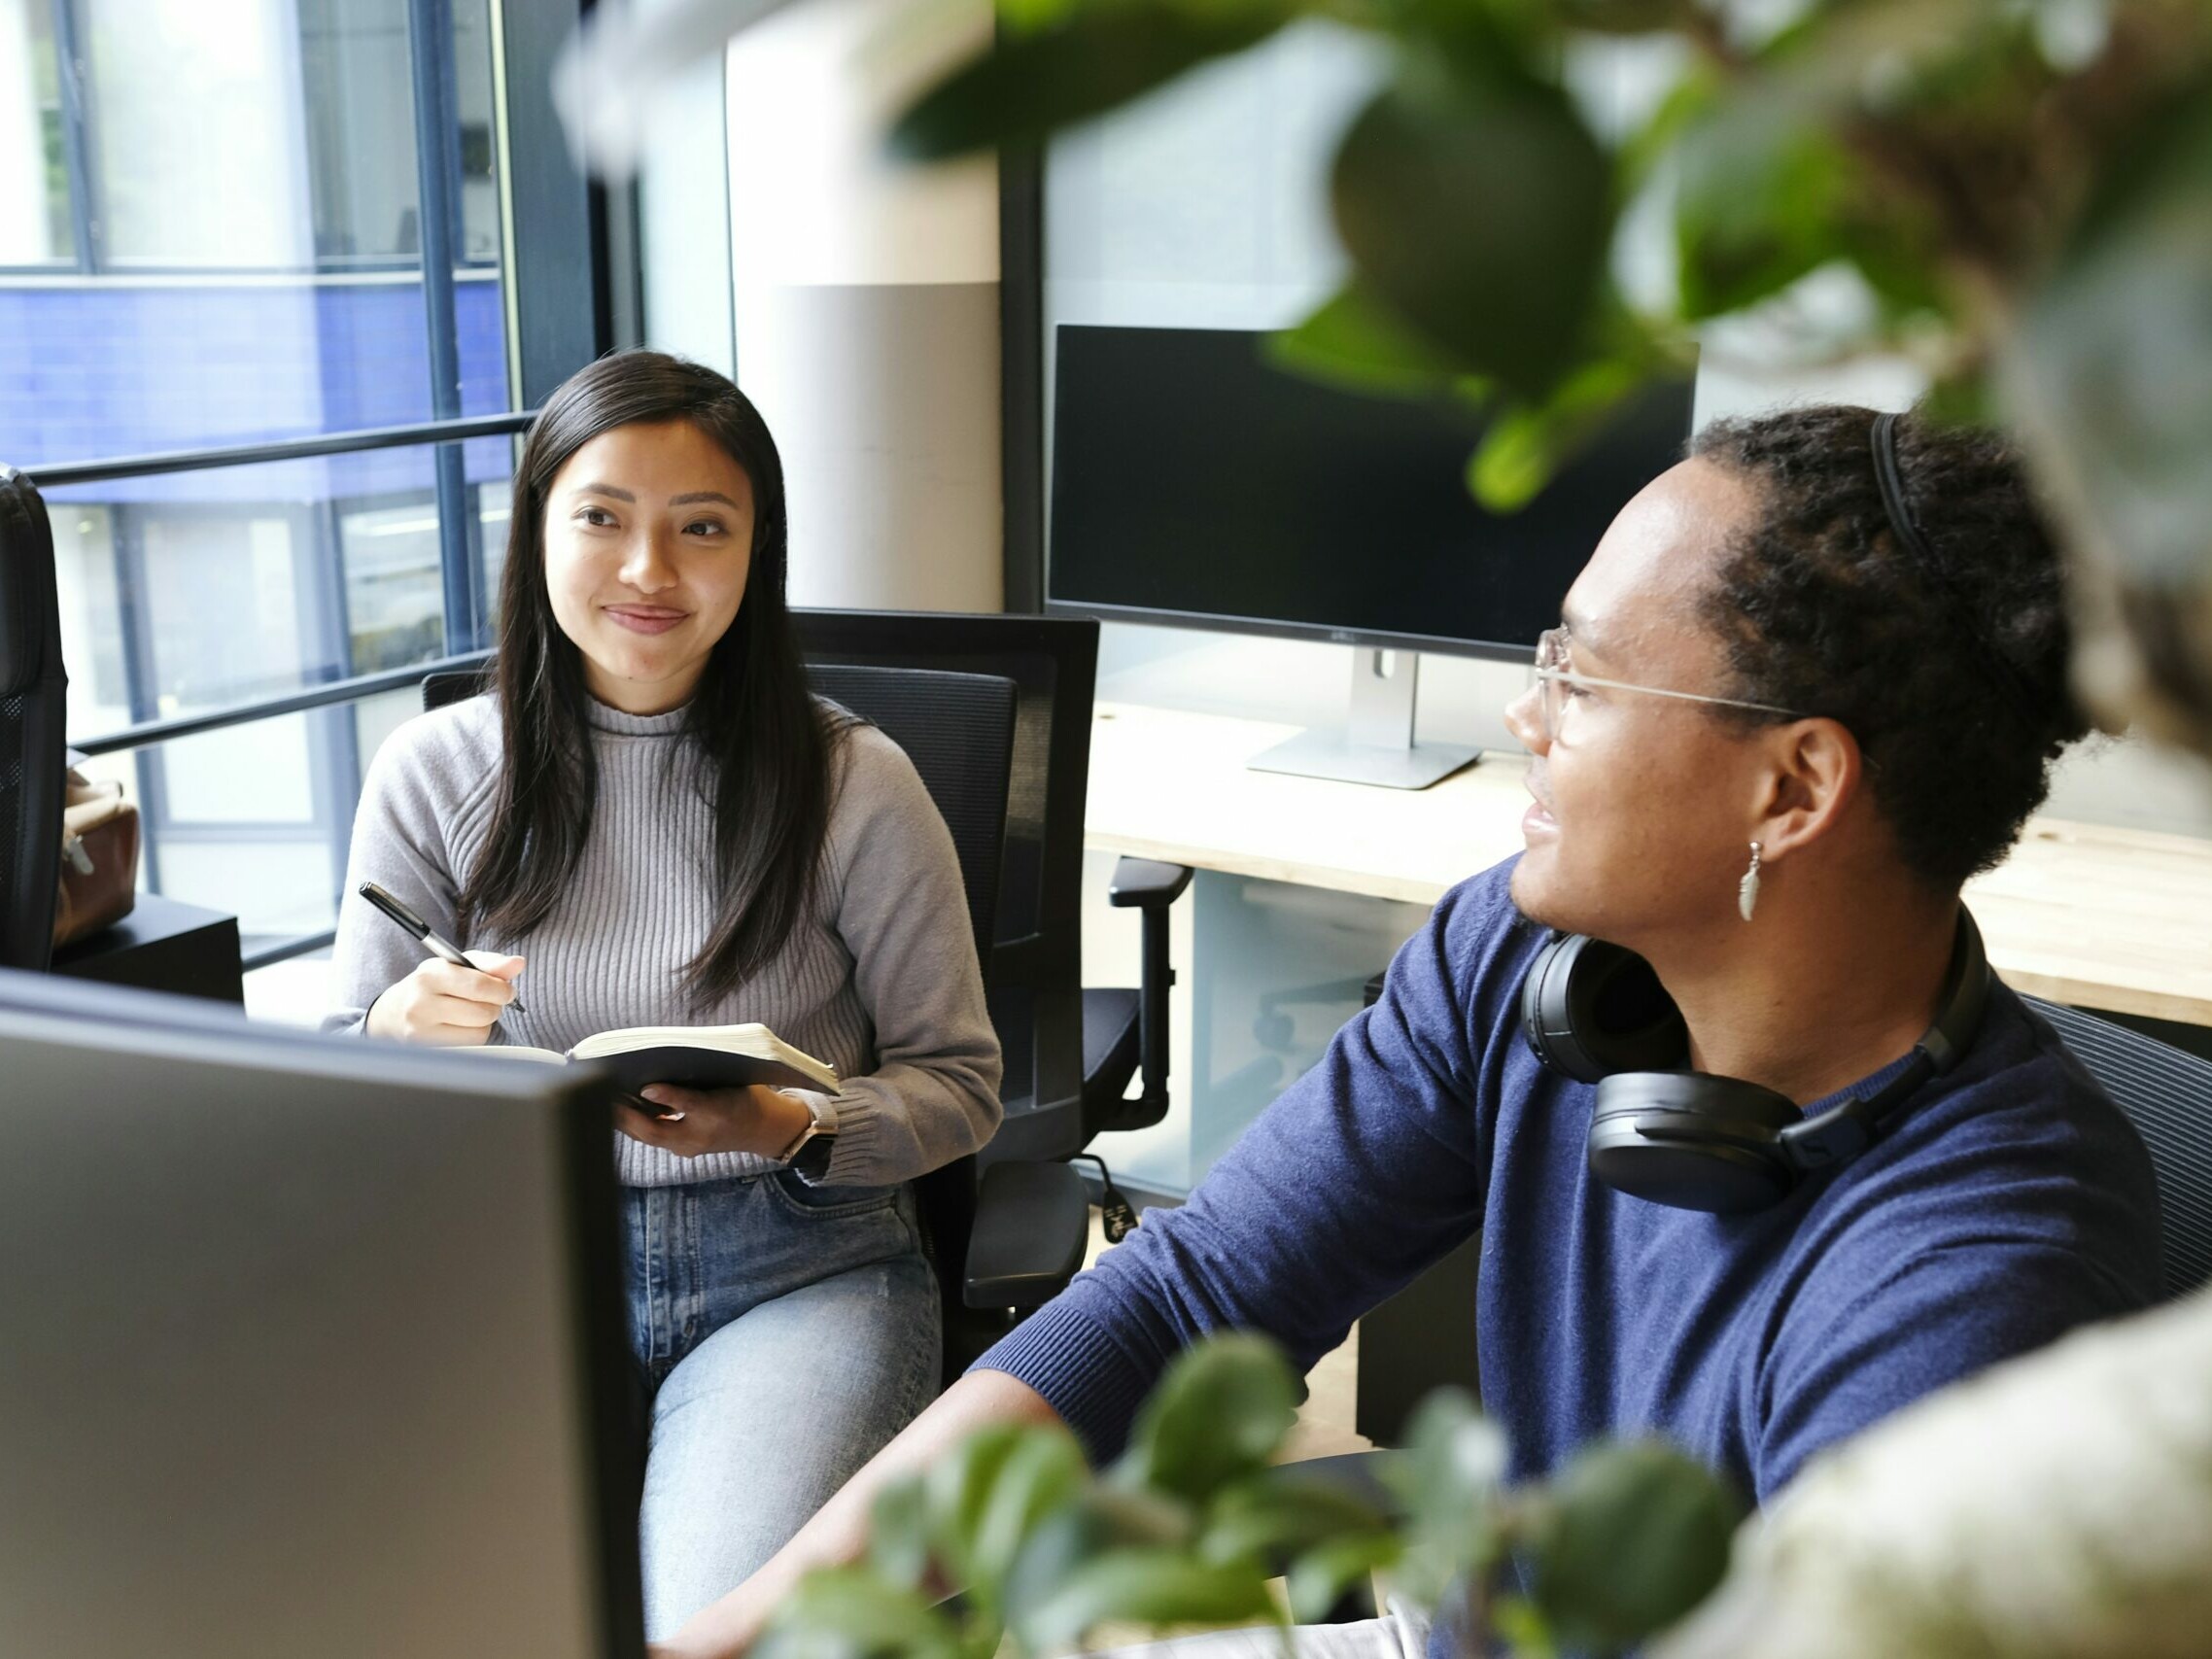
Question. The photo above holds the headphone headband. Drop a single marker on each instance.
(1889, 478)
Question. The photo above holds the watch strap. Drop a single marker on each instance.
(811, 1161)
(808, 1152)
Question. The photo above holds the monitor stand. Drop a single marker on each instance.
(1376, 745)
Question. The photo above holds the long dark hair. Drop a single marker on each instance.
(761, 745)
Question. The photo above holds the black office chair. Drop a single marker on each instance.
(1072, 1050)
(33, 751)
(2167, 1095)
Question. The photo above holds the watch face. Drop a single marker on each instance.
(812, 1160)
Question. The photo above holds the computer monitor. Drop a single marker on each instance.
(1196, 484)
(312, 1346)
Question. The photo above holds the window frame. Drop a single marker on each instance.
(563, 311)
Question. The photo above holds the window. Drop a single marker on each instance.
(219, 238)
(34, 177)
(214, 235)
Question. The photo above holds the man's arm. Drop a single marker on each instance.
(839, 1531)
(1366, 1169)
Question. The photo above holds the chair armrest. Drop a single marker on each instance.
(1149, 887)
(1028, 1242)
(1144, 883)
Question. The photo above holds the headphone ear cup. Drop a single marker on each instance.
(1692, 1140)
(1590, 1009)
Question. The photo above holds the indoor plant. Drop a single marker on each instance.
(1190, 1523)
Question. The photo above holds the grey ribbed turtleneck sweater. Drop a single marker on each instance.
(879, 977)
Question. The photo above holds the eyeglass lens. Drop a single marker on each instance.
(1551, 660)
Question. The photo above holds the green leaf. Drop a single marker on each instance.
(2107, 371)
(1453, 1461)
(995, 1486)
(1766, 190)
(1042, 1475)
(898, 1533)
(1355, 343)
(959, 1487)
(1690, 100)
(1628, 1539)
(1103, 1519)
(1448, 1477)
(1146, 1587)
(1319, 1578)
(1621, 16)
(1757, 205)
(848, 1612)
(1960, 398)
(1026, 17)
(1066, 70)
(1525, 443)
(1221, 1412)
(1527, 1634)
(1479, 208)
(1280, 1514)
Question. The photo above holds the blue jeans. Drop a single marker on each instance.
(784, 1333)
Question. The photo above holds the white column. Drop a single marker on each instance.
(867, 306)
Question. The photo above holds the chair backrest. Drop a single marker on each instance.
(33, 752)
(1054, 662)
(958, 731)
(2167, 1095)
(1035, 968)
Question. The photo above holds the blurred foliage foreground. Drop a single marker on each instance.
(1192, 1523)
(2016, 194)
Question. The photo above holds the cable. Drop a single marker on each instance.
(1117, 1217)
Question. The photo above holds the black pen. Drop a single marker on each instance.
(421, 929)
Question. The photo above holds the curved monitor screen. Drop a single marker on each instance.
(1196, 484)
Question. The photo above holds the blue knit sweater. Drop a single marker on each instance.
(2006, 1203)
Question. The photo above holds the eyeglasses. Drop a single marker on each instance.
(1556, 682)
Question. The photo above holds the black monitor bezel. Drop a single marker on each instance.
(1269, 627)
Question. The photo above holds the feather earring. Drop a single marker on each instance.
(1747, 889)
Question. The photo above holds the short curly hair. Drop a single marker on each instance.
(1822, 606)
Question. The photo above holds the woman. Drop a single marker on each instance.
(649, 821)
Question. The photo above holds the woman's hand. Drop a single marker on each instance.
(446, 1006)
(692, 1122)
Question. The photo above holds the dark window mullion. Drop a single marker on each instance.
(74, 74)
(63, 474)
(140, 676)
(438, 157)
(338, 787)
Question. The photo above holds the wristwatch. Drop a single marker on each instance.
(808, 1152)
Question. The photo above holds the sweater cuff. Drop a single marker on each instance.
(1083, 1375)
(858, 1145)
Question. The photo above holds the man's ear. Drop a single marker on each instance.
(1812, 778)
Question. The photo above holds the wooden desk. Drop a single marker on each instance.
(2105, 919)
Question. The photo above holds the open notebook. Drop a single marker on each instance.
(690, 1057)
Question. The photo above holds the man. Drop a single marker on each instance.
(1810, 681)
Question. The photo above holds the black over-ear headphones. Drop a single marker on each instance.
(1598, 1013)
